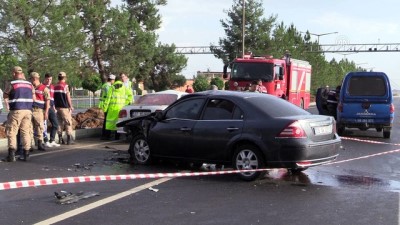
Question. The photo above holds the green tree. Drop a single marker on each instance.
(7, 62)
(166, 65)
(263, 36)
(178, 80)
(201, 84)
(258, 31)
(218, 82)
(44, 35)
(92, 83)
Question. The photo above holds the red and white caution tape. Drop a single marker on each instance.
(368, 141)
(83, 179)
(363, 157)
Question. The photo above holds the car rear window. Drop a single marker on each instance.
(367, 86)
(157, 99)
(276, 107)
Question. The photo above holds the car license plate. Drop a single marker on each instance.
(136, 114)
(323, 130)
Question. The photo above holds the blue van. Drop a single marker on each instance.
(365, 102)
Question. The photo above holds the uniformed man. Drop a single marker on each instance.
(40, 110)
(63, 103)
(118, 96)
(128, 84)
(19, 97)
(105, 134)
(332, 102)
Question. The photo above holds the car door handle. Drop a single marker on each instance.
(186, 129)
(232, 128)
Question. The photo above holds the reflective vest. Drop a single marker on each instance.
(21, 96)
(117, 97)
(103, 95)
(60, 95)
(39, 93)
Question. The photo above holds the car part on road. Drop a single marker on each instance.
(68, 197)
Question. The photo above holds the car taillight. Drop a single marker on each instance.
(391, 108)
(340, 107)
(122, 114)
(294, 130)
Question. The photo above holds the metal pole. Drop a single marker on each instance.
(243, 26)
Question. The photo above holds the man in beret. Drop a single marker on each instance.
(40, 107)
(63, 103)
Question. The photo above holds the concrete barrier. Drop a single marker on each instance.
(77, 134)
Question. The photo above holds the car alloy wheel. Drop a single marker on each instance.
(139, 150)
(247, 157)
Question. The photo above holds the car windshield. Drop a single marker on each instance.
(157, 99)
(276, 107)
(252, 71)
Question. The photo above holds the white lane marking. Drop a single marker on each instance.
(102, 202)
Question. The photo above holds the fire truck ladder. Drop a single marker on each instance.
(329, 48)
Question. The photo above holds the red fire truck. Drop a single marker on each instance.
(286, 78)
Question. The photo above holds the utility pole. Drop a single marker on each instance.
(243, 26)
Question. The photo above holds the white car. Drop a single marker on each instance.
(147, 104)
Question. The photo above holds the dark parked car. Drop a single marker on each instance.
(243, 129)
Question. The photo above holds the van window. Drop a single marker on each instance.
(367, 86)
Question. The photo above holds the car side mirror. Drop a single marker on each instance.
(159, 115)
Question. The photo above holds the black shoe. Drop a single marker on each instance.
(70, 140)
(11, 155)
(25, 156)
(41, 146)
(60, 140)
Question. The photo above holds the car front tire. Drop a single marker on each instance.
(248, 157)
(139, 150)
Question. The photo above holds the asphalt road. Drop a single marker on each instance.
(360, 188)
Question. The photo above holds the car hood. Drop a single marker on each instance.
(139, 118)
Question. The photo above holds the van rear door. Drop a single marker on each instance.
(368, 99)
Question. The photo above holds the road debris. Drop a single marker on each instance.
(65, 197)
(153, 189)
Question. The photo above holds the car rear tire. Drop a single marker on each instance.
(340, 130)
(248, 157)
(386, 134)
(139, 150)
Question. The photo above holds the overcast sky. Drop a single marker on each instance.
(197, 23)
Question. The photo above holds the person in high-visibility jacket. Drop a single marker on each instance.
(105, 134)
(118, 96)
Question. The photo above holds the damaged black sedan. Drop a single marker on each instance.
(244, 130)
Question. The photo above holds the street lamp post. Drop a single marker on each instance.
(319, 35)
(243, 26)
